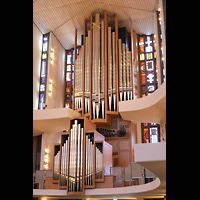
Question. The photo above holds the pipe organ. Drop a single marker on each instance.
(78, 159)
(56, 163)
(64, 164)
(99, 161)
(107, 66)
(89, 160)
(98, 110)
(78, 81)
(125, 73)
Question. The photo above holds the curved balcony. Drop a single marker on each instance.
(149, 109)
(153, 157)
(52, 120)
(129, 182)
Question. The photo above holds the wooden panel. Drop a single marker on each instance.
(98, 136)
(117, 59)
(135, 53)
(90, 64)
(132, 56)
(108, 182)
(123, 158)
(75, 56)
(83, 67)
(106, 63)
(49, 184)
(124, 145)
(107, 157)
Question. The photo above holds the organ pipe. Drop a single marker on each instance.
(87, 71)
(99, 163)
(89, 170)
(56, 166)
(123, 79)
(76, 158)
(78, 81)
(125, 73)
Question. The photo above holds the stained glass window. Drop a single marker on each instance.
(148, 44)
(150, 77)
(41, 97)
(45, 43)
(154, 135)
(143, 78)
(143, 95)
(44, 64)
(44, 55)
(69, 68)
(42, 79)
(142, 56)
(43, 71)
(69, 77)
(147, 63)
(149, 56)
(151, 88)
(144, 89)
(69, 58)
(141, 44)
(150, 133)
(145, 135)
(42, 87)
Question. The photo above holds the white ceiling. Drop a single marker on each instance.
(63, 16)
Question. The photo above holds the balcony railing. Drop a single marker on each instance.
(39, 178)
(131, 175)
(134, 174)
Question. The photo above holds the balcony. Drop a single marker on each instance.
(153, 157)
(52, 120)
(149, 109)
(130, 182)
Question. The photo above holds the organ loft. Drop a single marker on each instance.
(104, 73)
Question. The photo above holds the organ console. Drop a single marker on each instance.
(105, 75)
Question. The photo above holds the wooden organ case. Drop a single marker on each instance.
(78, 161)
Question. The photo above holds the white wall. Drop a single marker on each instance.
(147, 152)
(56, 74)
(37, 53)
(48, 141)
(55, 70)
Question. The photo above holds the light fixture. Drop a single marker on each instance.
(50, 87)
(52, 56)
(46, 158)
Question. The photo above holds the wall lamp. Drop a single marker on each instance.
(50, 87)
(52, 56)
